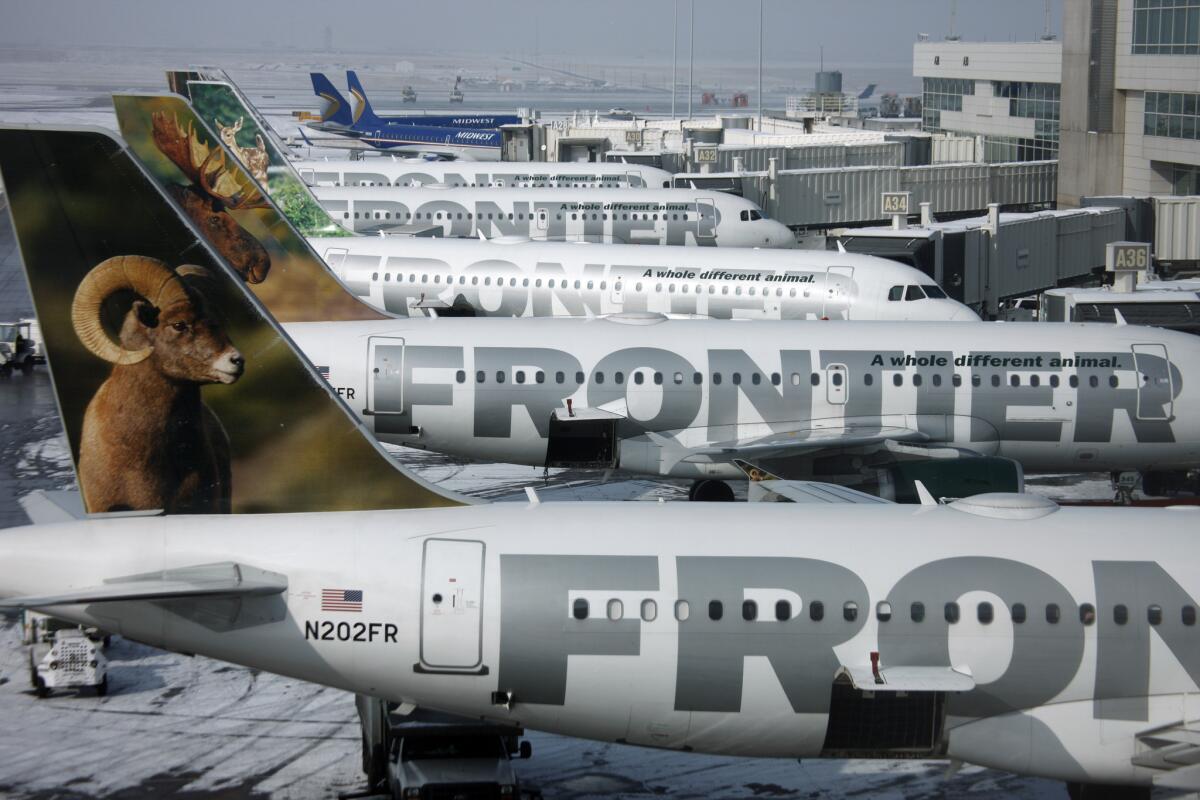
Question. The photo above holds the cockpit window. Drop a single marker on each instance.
(913, 293)
(755, 215)
(934, 291)
(745, 215)
(896, 293)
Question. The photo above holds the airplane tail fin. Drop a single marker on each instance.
(867, 92)
(208, 182)
(363, 113)
(334, 107)
(178, 391)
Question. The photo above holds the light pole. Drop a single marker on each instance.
(691, 53)
(760, 63)
(674, 57)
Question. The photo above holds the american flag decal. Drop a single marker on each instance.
(324, 372)
(341, 600)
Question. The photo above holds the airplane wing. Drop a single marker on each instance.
(209, 580)
(802, 441)
(1175, 751)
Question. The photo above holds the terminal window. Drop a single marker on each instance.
(1166, 27)
(1175, 115)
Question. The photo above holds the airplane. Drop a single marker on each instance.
(509, 277)
(399, 172)
(645, 216)
(860, 402)
(791, 285)
(366, 118)
(475, 142)
(1049, 642)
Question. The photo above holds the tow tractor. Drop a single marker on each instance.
(20, 346)
(64, 656)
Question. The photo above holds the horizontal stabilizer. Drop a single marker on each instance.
(210, 580)
(909, 679)
(48, 506)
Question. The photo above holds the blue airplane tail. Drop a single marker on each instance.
(363, 113)
(867, 92)
(334, 109)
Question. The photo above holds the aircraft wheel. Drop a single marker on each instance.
(374, 759)
(710, 491)
(102, 687)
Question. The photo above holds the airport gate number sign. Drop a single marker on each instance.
(1126, 256)
(895, 203)
(707, 155)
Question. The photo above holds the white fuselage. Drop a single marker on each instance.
(522, 174)
(691, 395)
(629, 216)
(398, 274)
(652, 625)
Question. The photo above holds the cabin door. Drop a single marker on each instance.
(836, 384)
(706, 220)
(839, 286)
(634, 178)
(452, 604)
(385, 379)
(1156, 395)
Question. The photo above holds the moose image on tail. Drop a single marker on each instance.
(148, 441)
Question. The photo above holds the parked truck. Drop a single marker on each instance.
(433, 760)
(64, 656)
(20, 346)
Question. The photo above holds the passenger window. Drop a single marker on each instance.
(756, 379)
(539, 376)
(616, 609)
(815, 379)
(749, 610)
(985, 613)
(1052, 614)
(716, 379)
(1018, 613)
(1120, 614)
(638, 378)
(917, 379)
(649, 610)
(682, 610)
(868, 379)
(1188, 615)
(850, 611)
(897, 379)
(1073, 381)
(559, 377)
(1093, 381)
(783, 610)
(1054, 381)
(975, 381)
(499, 376)
(697, 378)
(599, 377)
(658, 379)
(916, 612)
(913, 293)
(736, 378)
(619, 377)
(1112, 381)
(896, 293)
(776, 379)
(678, 378)
(1035, 380)
(480, 376)
(1014, 380)
(716, 610)
(1087, 613)
(883, 611)
(995, 380)
(816, 611)
(1154, 615)
(956, 379)
(937, 379)
(952, 613)
(579, 609)
(460, 376)
(520, 376)
(375, 276)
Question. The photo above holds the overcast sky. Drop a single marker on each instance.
(850, 30)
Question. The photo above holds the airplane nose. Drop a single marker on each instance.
(963, 314)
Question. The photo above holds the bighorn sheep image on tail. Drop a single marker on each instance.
(215, 190)
(148, 440)
(254, 159)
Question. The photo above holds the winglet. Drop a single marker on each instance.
(1120, 318)
(334, 107)
(841, 247)
(927, 499)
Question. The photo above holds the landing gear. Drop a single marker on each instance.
(1094, 791)
(710, 491)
